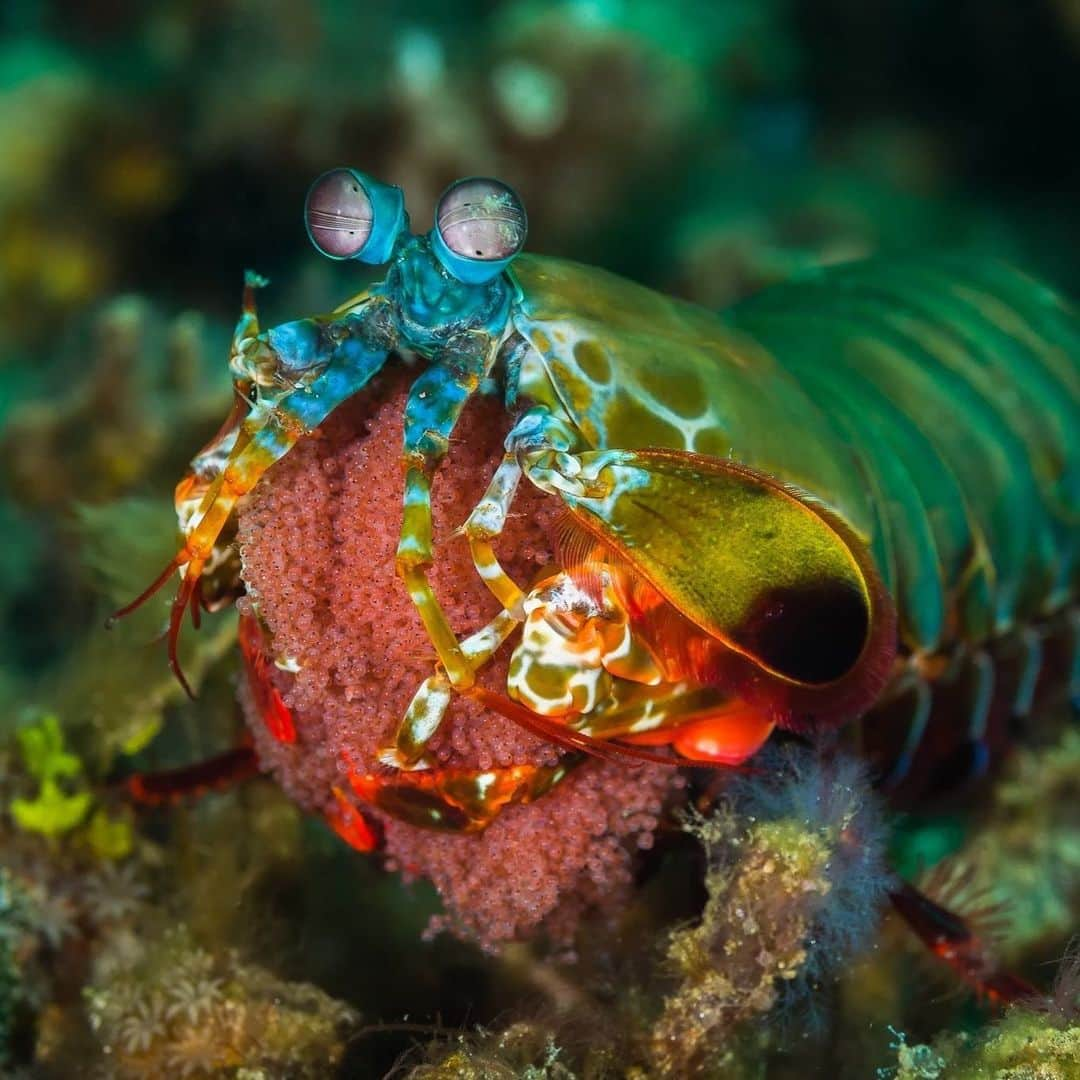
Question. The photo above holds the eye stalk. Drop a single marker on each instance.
(480, 225)
(350, 216)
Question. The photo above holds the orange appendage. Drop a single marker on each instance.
(275, 714)
(350, 824)
(186, 597)
(148, 592)
(192, 781)
(556, 731)
(190, 493)
(460, 800)
(952, 939)
(728, 735)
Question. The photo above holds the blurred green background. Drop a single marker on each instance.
(706, 147)
(151, 152)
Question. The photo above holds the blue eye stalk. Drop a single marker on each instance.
(480, 223)
(348, 215)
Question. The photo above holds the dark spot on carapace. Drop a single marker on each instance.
(593, 361)
(813, 633)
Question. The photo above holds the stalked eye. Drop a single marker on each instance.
(349, 215)
(482, 219)
(480, 225)
(339, 214)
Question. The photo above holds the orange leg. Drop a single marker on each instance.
(458, 800)
(191, 781)
(580, 740)
(273, 426)
(727, 734)
(267, 438)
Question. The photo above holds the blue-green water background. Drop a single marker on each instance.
(705, 147)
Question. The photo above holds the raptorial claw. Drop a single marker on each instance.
(569, 739)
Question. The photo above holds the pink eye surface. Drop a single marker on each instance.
(338, 214)
(482, 219)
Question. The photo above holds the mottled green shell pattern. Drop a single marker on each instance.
(636, 369)
(931, 403)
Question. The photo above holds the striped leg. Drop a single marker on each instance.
(428, 706)
(955, 941)
(210, 461)
(270, 430)
(435, 404)
(537, 433)
(484, 524)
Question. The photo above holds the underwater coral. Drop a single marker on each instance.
(1035, 1040)
(796, 878)
(174, 1009)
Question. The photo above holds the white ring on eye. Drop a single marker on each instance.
(482, 219)
(338, 214)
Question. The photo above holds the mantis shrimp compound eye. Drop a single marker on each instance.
(338, 214)
(350, 216)
(480, 225)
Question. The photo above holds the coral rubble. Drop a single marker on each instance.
(795, 881)
(174, 1009)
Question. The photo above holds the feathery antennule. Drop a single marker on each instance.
(1064, 999)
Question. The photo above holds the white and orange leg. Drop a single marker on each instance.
(407, 749)
(538, 434)
(334, 366)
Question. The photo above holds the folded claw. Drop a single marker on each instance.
(171, 785)
(569, 739)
